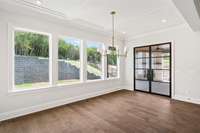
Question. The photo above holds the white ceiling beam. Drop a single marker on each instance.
(189, 11)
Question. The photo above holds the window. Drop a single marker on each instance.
(94, 60)
(68, 61)
(31, 60)
(112, 65)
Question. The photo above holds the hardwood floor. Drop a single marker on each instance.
(118, 112)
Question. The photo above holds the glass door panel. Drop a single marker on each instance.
(142, 68)
(160, 50)
(160, 63)
(160, 69)
(160, 88)
(161, 75)
(142, 85)
(141, 74)
(142, 52)
(142, 63)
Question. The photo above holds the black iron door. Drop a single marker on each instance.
(152, 69)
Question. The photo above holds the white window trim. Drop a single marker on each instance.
(104, 63)
(83, 59)
(54, 59)
(11, 56)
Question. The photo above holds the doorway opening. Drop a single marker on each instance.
(152, 69)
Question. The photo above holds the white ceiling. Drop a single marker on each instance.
(134, 17)
(189, 10)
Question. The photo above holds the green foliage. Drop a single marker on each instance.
(93, 56)
(68, 51)
(31, 44)
(112, 58)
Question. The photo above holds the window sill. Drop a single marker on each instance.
(93, 81)
(30, 90)
(115, 78)
(55, 87)
(101, 80)
(69, 85)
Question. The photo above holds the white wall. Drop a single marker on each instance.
(14, 104)
(186, 65)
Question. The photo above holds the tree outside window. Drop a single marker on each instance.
(31, 60)
(68, 60)
(94, 60)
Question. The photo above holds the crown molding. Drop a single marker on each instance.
(25, 8)
(41, 8)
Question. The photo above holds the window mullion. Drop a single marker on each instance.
(104, 64)
(54, 61)
(83, 59)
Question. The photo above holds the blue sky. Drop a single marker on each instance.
(77, 42)
(94, 44)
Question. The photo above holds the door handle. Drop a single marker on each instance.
(152, 75)
(148, 74)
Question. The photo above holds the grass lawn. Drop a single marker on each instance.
(32, 85)
(45, 84)
(90, 69)
(68, 82)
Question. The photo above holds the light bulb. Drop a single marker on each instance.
(39, 2)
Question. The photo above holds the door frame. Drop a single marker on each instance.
(170, 74)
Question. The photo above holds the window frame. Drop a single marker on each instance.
(12, 30)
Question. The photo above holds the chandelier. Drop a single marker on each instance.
(112, 49)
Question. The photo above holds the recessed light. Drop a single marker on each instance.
(163, 20)
(124, 32)
(39, 2)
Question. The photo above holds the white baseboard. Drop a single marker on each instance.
(130, 89)
(126, 87)
(37, 108)
(186, 99)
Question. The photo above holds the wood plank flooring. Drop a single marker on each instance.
(118, 112)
